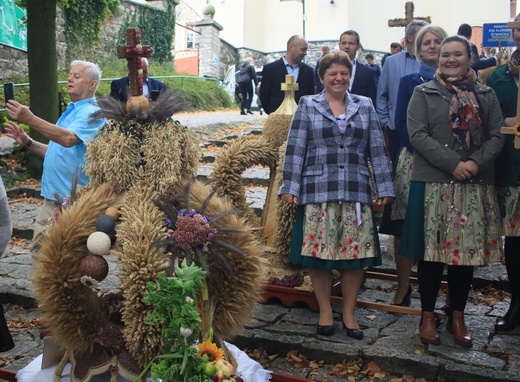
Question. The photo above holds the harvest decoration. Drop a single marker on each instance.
(174, 301)
(104, 332)
(193, 235)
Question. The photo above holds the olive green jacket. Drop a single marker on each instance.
(437, 151)
(507, 165)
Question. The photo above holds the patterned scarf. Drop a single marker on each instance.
(465, 122)
(514, 63)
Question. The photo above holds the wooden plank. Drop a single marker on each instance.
(393, 277)
(387, 307)
(8, 375)
(278, 377)
(290, 296)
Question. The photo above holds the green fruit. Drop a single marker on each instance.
(208, 369)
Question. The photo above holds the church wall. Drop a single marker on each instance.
(376, 35)
(325, 21)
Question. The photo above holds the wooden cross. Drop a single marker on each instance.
(516, 128)
(289, 86)
(408, 14)
(134, 51)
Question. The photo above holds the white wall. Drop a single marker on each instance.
(265, 25)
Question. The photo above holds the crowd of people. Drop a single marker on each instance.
(451, 195)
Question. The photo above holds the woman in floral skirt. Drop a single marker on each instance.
(453, 217)
(326, 174)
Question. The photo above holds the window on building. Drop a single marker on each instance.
(190, 40)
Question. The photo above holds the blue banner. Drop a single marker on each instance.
(495, 34)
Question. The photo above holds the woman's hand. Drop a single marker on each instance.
(384, 201)
(16, 132)
(465, 170)
(510, 121)
(288, 198)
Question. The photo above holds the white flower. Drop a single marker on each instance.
(189, 299)
(185, 333)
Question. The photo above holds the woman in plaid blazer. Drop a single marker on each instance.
(326, 173)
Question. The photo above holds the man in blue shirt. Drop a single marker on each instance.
(394, 68)
(64, 155)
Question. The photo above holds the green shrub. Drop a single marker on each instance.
(201, 94)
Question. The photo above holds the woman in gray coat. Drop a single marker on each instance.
(453, 217)
(326, 174)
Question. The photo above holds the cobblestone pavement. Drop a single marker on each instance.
(391, 340)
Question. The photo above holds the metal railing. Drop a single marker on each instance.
(181, 77)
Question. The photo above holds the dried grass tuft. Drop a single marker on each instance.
(241, 154)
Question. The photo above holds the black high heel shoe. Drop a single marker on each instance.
(354, 333)
(325, 330)
(407, 299)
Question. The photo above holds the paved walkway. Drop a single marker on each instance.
(391, 340)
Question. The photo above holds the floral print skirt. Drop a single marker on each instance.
(509, 198)
(402, 179)
(395, 212)
(452, 223)
(331, 238)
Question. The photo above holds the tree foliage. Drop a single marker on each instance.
(84, 19)
(157, 29)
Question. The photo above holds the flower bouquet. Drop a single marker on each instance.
(174, 301)
(182, 304)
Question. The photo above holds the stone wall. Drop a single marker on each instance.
(13, 62)
(228, 57)
(314, 52)
(215, 54)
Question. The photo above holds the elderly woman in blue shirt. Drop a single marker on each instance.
(331, 139)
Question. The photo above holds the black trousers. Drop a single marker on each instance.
(459, 284)
(6, 341)
(512, 259)
(394, 143)
(246, 90)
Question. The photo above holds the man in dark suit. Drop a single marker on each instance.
(273, 75)
(477, 63)
(151, 87)
(362, 80)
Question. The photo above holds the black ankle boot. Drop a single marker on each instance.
(6, 341)
(512, 317)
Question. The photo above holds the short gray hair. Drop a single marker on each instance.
(93, 71)
(410, 28)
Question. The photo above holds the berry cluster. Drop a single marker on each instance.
(292, 280)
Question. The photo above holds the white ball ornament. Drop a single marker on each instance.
(98, 243)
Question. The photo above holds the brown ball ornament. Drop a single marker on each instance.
(137, 105)
(112, 212)
(94, 266)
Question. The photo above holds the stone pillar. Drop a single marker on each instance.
(209, 46)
